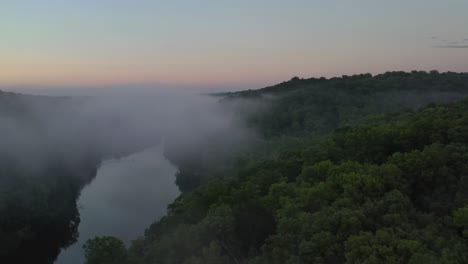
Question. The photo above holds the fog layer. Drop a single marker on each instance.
(73, 129)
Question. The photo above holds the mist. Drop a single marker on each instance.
(73, 129)
(102, 157)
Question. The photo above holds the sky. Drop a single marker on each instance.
(224, 44)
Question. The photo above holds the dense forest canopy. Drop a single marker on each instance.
(301, 111)
(390, 190)
(357, 169)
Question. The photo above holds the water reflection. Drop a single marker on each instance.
(126, 196)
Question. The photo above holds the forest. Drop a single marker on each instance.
(358, 169)
(355, 169)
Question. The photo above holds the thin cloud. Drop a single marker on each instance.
(452, 46)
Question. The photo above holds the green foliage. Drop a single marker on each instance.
(334, 178)
(38, 212)
(460, 219)
(389, 190)
(105, 250)
(317, 106)
(302, 111)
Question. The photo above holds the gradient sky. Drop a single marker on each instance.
(224, 43)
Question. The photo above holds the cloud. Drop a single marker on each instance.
(449, 44)
(452, 46)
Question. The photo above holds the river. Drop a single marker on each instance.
(127, 195)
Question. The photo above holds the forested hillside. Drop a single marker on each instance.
(357, 169)
(346, 184)
(390, 190)
(317, 106)
(301, 111)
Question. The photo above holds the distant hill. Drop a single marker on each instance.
(318, 105)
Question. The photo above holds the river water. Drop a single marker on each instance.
(127, 195)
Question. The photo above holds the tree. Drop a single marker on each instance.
(460, 219)
(105, 250)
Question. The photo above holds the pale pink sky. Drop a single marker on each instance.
(224, 43)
